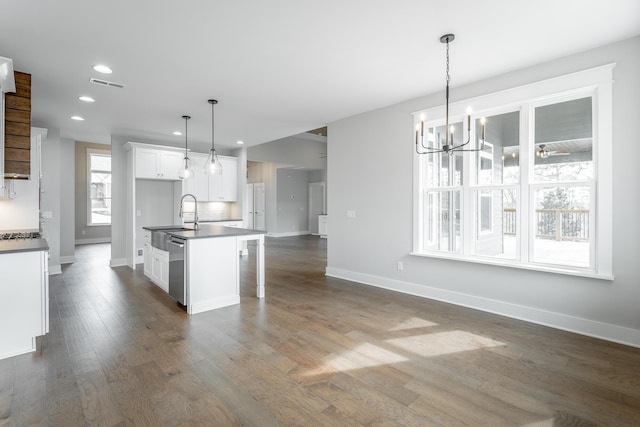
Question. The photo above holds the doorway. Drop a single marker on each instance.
(256, 205)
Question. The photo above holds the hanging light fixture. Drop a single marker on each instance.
(186, 172)
(447, 146)
(212, 166)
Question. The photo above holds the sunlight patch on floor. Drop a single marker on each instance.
(363, 356)
(443, 343)
(544, 423)
(412, 323)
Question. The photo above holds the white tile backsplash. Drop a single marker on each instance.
(208, 211)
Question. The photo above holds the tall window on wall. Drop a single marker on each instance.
(99, 187)
(537, 192)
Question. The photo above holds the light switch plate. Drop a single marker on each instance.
(351, 214)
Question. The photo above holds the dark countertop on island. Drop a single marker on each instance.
(23, 245)
(205, 231)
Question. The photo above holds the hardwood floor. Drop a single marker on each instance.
(315, 351)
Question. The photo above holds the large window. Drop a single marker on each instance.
(99, 187)
(537, 194)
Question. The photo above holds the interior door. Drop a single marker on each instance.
(316, 205)
(249, 204)
(259, 203)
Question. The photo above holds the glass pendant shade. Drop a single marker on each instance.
(212, 166)
(185, 172)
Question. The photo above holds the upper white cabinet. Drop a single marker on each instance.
(199, 184)
(215, 188)
(224, 188)
(152, 163)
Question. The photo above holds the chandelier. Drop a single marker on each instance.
(447, 146)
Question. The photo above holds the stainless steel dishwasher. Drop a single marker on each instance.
(177, 284)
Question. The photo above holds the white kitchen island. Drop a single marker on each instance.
(212, 265)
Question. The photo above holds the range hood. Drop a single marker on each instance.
(7, 84)
(15, 122)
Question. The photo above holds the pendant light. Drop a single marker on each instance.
(447, 146)
(212, 166)
(186, 172)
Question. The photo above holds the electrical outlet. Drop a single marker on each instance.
(351, 214)
(400, 266)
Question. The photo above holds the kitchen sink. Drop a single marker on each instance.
(159, 237)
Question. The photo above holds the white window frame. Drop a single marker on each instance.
(595, 82)
(91, 151)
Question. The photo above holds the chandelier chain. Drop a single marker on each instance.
(448, 78)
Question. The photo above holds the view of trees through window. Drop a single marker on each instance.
(558, 189)
(100, 188)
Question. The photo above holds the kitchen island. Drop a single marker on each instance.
(203, 265)
(24, 288)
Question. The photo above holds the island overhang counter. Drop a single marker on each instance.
(211, 265)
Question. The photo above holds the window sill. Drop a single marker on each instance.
(514, 264)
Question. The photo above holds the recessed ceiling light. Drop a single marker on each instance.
(239, 142)
(177, 133)
(78, 118)
(102, 69)
(86, 99)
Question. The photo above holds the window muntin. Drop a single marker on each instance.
(99, 187)
(594, 172)
(442, 211)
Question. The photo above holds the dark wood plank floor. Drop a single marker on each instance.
(316, 351)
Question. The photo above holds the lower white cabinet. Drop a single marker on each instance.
(24, 288)
(156, 263)
(323, 225)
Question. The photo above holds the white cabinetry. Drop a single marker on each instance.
(25, 290)
(224, 188)
(160, 268)
(152, 163)
(199, 184)
(214, 188)
(323, 224)
(156, 263)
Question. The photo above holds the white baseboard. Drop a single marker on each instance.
(605, 331)
(288, 234)
(213, 304)
(92, 241)
(67, 259)
(118, 262)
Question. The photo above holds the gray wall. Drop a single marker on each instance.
(308, 151)
(83, 232)
(368, 247)
(119, 179)
(50, 195)
(67, 202)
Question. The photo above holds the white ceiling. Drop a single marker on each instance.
(277, 67)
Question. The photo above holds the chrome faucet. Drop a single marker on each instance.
(195, 202)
